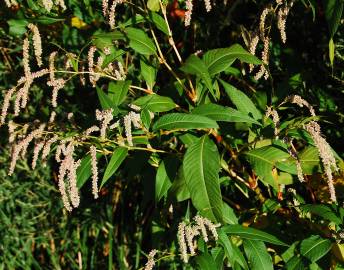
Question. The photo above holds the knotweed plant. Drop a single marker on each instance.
(144, 108)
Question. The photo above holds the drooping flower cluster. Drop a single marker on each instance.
(282, 7)
(325, 153)
(275, 118)
(187, 233)
(68, 167)
(49, 4)
(10, 3)
(115, 70)
(150, 263)
(110, 13)
(93, 151)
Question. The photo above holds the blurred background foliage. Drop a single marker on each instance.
(115, 231)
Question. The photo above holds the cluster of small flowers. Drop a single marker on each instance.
(275, 118)
(189, 232)
(325, 153)
(296, 99)
(283, 11)
(189, 8)
(93, 151)
(131, 118)
(95, 70)
(68, 167)
(48, 4)
(20, 148)
(105, 117)
(282, 18)
(110, 13)
(10, 3)
(150, 263)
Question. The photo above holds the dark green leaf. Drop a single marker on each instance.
(221, 113)
(263, 161)
(195, 66)
(218, 60)
(84, 171)
(315, 247)
(241, 101)
(201, 167)
(140, 42)
(165, 175)
(205, 262)
(116, 160)
(252, 234)
(118, 91)
(155, 103)
(257, 255)
(184, 121)
(149, 73)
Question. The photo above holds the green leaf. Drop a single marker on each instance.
(184, 121)
(309, 159)
(241, 101)
(221, 113)
(146, 118)
(104, 100)
(295, 263)
(159, 22)
(101, 40)
(17, 27)
(263, 161)
(205, 262)
(179, 189)
(140, 42)
(219, 60)
(47, 20)
(149, 73)
(333, 14)
(257, 255)
(116, 160)
(155, 103)
(252, 234)
(153, 5)
(233, 254)
(118, 91)
(323, 211)
(201, 167)
(195, 66)
(315, 247)
(138, 18)
(165, 175)
(228, 214)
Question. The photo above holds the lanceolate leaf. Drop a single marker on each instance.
(263, 161)
(309, 159)
(221, 113)
(241, 101)
(118, 91)
(155, 103)
(140, 42)
(323, 211)
(206, 262)
(252, 234)
(315, 247)
(218, 60)
(194, 65)
(116, 160)
(201, 167)
(257, 255)
(106, 102)
(165, 175)
(184, 121)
